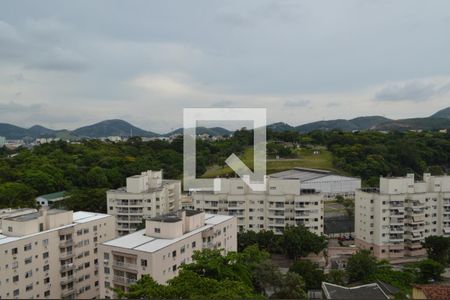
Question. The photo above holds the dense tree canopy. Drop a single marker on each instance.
(94, 164)
(295, 242)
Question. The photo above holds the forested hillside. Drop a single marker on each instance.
(89, 168)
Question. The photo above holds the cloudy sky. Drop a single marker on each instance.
(69, 63)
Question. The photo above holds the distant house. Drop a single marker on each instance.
(50, 199)
(371, 291)
(431, 291)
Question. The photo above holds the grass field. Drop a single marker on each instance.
(305, 158)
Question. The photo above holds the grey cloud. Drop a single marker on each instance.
(223, 103)
(334, 104)
(297, 103)
(60, 59)
(14, 107)
(414, 91)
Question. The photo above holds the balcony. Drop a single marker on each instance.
(66, 255)
(124, 265)
(396, 220)
(67, 292)
(65, 243)
(396, 212)
(65, 280)
(124, 280)
(396, 229)
(395, 238)
(301, 207)
(67, 267)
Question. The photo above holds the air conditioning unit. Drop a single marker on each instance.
(106, 261)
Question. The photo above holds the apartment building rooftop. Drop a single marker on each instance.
(366, 291)
(77, 218)
(140, 241)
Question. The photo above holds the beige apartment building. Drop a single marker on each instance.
(158, 250)
(284, 203)
(394, 220)
(52, 254)
(145, 196)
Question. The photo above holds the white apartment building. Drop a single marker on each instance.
(394, 220)
(146, 195)
(283, 203)
(158, 250)
(52, 254)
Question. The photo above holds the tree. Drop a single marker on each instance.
(430, 270)
(187, 285)
(210, 263)
(266, 240)
(336, 277)
(438, 248)
(14, 194)
(361, 266)
(85, 199)
(310, 272)
(42, 182)
(96, 178)
(298, 242)
(292, 287)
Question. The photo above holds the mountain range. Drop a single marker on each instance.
(439, 120)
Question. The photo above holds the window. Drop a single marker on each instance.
(29, 287)
(106, 270)
(107, 284)
(9, 229)
(46, 280)
(15, 278)
(29, 274)
(27, 247)
(157, 230)
(182, 250)
(14, 251)
(47, 293)
(94, 228)
(46, 268)
(174, 253)
(45, 242)
(86, 230)
(28, 260)
(143, 262)
(174, 268)
(79, 232)
(193, 244)
(45, 255)
(16, 293)
(87, 264)
(105, 255)
(41, 226)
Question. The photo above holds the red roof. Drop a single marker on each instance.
(435, 291)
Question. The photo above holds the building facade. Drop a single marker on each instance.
(394, 220)
(158, 250)
(284, 203)
(52, 254)
(145, 196)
